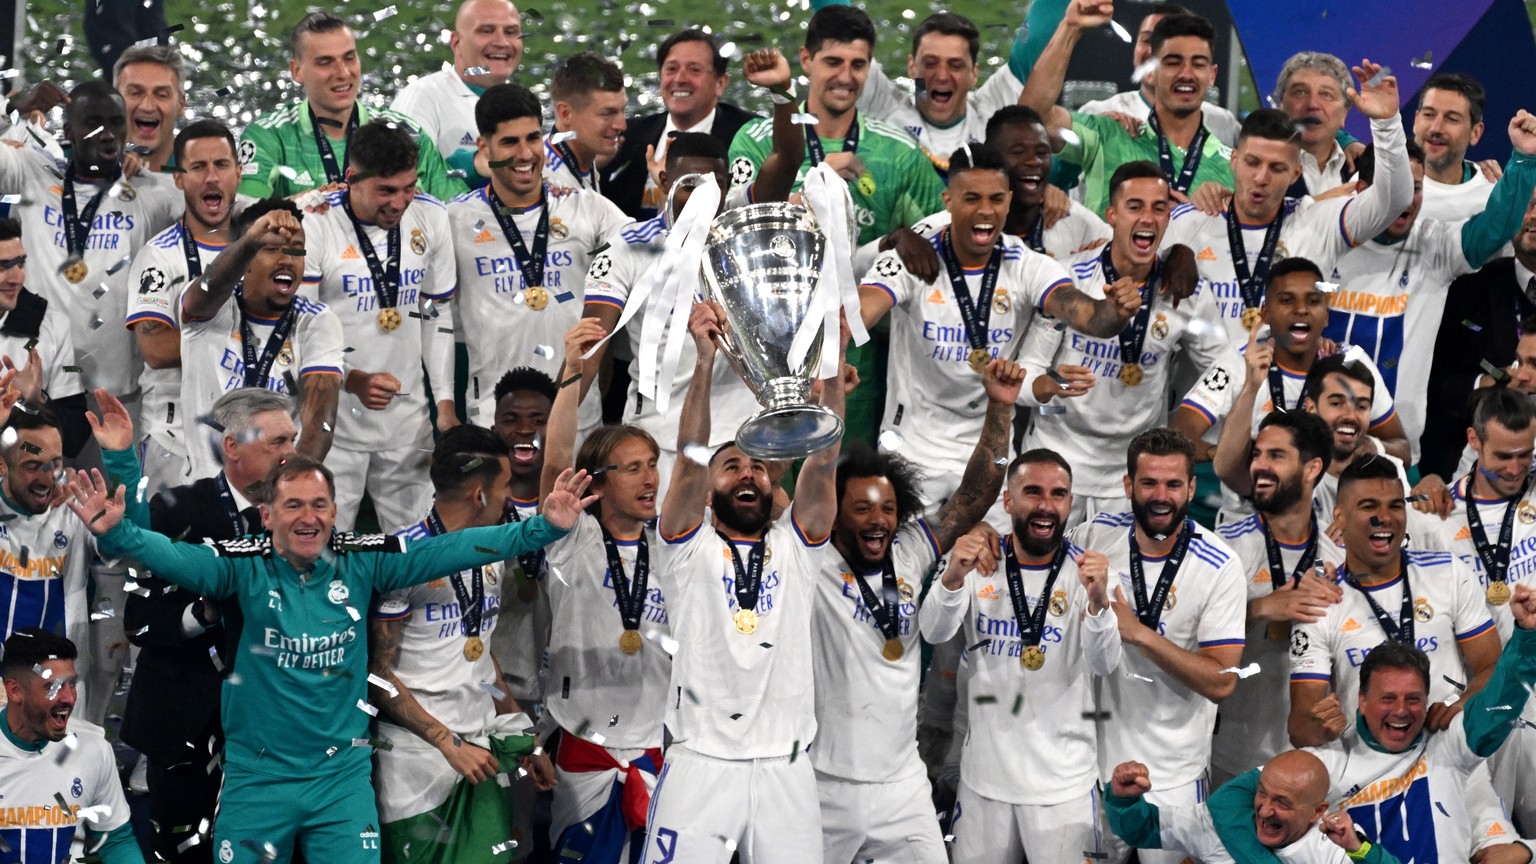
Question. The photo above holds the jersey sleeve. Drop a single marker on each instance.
(260, 153)
(606, 216)
(395, 606)
(187, 565)
(1038, 357)
(607, 281)
(943, 611)
(437, 557)
(880, 98)
(1369, 213)
(107, 788)
(1213, 395)
(923, 192)
(1311, 651)
(1001, 90)
(1091, 130)
(323, 351)
(1223, 621)
(1045, 275)
(1206, 345)
(748, 150)
(442, 269)
(56, 349)
(1485, 234)
(1469, 618)
(891, 276)
(153, 297)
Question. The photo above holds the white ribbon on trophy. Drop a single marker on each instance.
(826, 194)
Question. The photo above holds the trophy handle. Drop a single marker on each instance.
(687, 181)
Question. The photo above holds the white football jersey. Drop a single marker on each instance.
(881, 99)
(1456, 535)
(1078, 231)
(47, 793)
(561, 173)
(1221, 122)
(1213, 395)
(1452, 202)
(444, 106)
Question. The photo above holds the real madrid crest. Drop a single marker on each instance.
(1173, 598)
(1001, 302)
(337, 592)
(557, 229)
(285, 356)
(1526, 514)
(1058, 606)
(1160, 326)
(1422, 611)
(418, 241)
(904, 588)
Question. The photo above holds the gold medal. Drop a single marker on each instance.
(1498, 593)
(1131, 374)
(979, 358)
(77, 272)
(536, 298)
(389, 319)
(746, 621)
(892, 650)
(1250, 318)
(630, 642)
(474, 648)
(1032, 658)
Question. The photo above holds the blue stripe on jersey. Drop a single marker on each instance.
(305, 304)
(1208, 553)
(1380, 337)
(1427, 558)
(38, 845)
(643, 232)
(1085, 269)
(1233, 530)
(169, 238)
(1180, 210)
(31, 603)
(1115, 519)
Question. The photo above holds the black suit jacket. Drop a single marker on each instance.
(173, 706)
(623, 180)
(1493, 302)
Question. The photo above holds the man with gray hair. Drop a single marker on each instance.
(1311, 91)
(187, 642)
(152, 81)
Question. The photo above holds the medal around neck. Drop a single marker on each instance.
(763, 265)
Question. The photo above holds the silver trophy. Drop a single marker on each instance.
(764, 261)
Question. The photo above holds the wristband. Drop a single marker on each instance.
(1359, 854)
(783, 97)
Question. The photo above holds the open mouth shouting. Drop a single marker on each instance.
(1144, 240)
(984, 233)
(525, 454)
(146, 127)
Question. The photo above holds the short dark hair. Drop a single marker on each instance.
(1514, 411)
(858, 459)
(582, 74)
(1176, 25)
(10, 229)
(249, 215)
(1167, 9)
(1160, 441)
(1365, 163)
(1335, 364)
(1271, 124)
(525, 378)
(93, 88)
(948, 24)
(314, 22)
(296, 465)
(383, 148)
(692, 34)
(204, 128)
(454, 458)
(839, 24)
(701, 145)
(1287, 266)
(1136, 169)
(34, 416)
(30, 647)
(1012, 115)
(976, 157)
(1394, 655)
(1467, 86)
(1038, 456)
(1373, 466)
(504, 102)
(1309, 434)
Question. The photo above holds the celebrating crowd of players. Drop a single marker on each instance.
(984, 628)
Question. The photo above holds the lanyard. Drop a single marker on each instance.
(77, 225)
(628, 594)
(976, 312)
(334, 173)
(1151, 613)
(1036, 238)
(530, 262)
(748, 578)
(189, 249)
(885, 609)
(569, 157)
(1251, 283)
(818, 155)
(471, 601)
(1277, 390)
(386, 277)
(1134, 334)
(1402, 630)
(227, 498)
(1277, 575)
(1495, 558)
(259, 370)
(533, 562)
(1031, 623)
(1186, 175)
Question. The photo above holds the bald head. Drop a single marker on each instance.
(1292, 795)
(488, 38)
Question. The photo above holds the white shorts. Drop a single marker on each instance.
(705, 809)
(397, 480)
(889, 821)
(1188, 795)
(988, 831)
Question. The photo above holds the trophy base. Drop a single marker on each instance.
(790, 432)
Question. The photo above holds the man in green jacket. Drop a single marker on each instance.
(296, 717)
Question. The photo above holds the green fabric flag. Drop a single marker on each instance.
(474, 826)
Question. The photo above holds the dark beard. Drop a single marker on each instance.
(742, 520)
(1139, 510)
(1033, 546)
(1285, 496)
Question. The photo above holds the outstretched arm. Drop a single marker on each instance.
(815, 507)
(983, 477)
(683, 508)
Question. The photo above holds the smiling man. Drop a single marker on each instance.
(303, 145)
(487, 45)
(589, 98)
(1447, 123)
(34, 335)
(152, 80)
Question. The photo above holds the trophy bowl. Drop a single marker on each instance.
(762, 265)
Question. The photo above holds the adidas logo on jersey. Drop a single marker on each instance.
(485, 236)
(1261, 577)
(467, 141)
(350, 254)
(936, 297)
(1350, 626)
(1464, 534)
(988, 592)
(1206, 254)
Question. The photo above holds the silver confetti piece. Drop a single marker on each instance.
(1124, 34)
(382, 684)
(1425, 62)
(363, 706)
(889, 441)
(1380, 76)
(1327, 287)
(804, 119)
(1248, 671)
(561, 137)
(1140, 73)
(386, 12)
(477, 70)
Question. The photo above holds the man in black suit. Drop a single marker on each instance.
(692, 81)
(187, 643)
